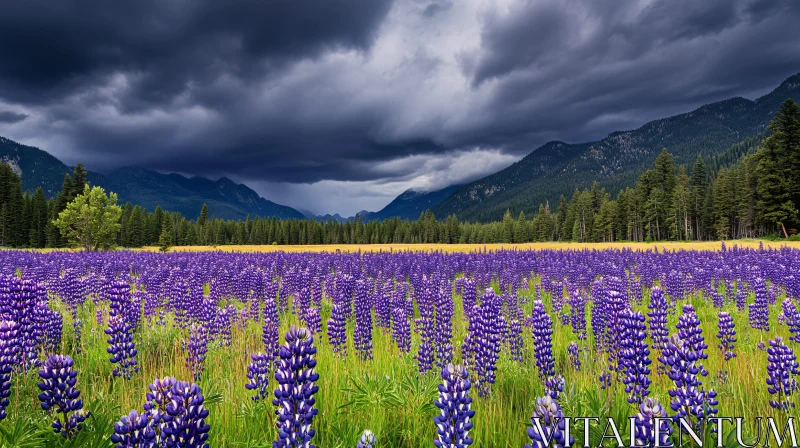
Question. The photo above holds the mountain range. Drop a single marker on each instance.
(616, 161)
(554, 169)
(147, 188)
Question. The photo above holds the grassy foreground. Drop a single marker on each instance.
(385, 395)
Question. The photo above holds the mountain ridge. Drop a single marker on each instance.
(174, 192)
(557, 168)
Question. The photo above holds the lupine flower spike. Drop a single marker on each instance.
(59, 395)
(453, 424)
(294, 395)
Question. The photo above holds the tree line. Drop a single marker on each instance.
(752, 190)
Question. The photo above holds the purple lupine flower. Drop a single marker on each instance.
(313, 320)
(689, 331)
(383, 305)
(759, 309)
(20, 299)
(184, 423)
(401, 329)
(362, 334)
(515, 339)
(453, 423)
(548, 426)
(121, 347)
(484, 340)
(270, 336)
(99, 318)
(443, 329)
(337, 333)
(542, 328)
(782, 367)
(119, 299)
(645, 425)
(134, 430)
(574, 355)
(634, 290)
(9, 352)
(741, 298)
(657, 318)
(578, 314)
(196, 350)
(426, 327)
(155, 405)
(634, 357)
(554, 385)
(59, 395)
(792, 319)
(687, 398)
(718, 300)
(367, 440)
(53, 327)
(726, 336)
(258, 375)
(469, 295)
(294, 395)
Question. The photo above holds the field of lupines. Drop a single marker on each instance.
(400, 349)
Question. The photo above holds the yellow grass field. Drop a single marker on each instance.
(671, 246)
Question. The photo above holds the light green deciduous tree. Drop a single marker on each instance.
(91, 220)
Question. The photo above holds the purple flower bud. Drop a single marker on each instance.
(59, 395)
(9, 352)
(645, 425)
(782, 367)
(542, 328)
(196, 350)
(759, 309)
(792, 319)
(183, 424)
(634, 357)
(258, 375)
(121, 347)
(134, 430)
(294, 395)
(574, 355)
(453, 423)
(658, 318)
(367, 440)
(726, 336)
(548, 426)
(362, 333)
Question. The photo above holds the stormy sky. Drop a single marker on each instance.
(340, 105)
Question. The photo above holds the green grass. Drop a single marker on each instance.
(385, 395)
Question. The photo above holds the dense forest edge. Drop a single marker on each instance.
(751, 190)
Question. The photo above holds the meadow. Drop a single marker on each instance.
(550, 245)
(173, 301)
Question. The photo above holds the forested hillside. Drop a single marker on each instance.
(148, 188)
(616, 161)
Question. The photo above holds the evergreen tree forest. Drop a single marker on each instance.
(751, 190)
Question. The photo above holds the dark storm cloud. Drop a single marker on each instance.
(7, 116)
(373, 91)
(53, 48)
(559, 68)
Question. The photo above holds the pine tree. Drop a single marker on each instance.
(508, 227)
(699, 187)
(78, 181)
(136, 226)
(784, 142)
(201, 221)
(38, 219)
(682, 206)
(521, 229)
(166, 238)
